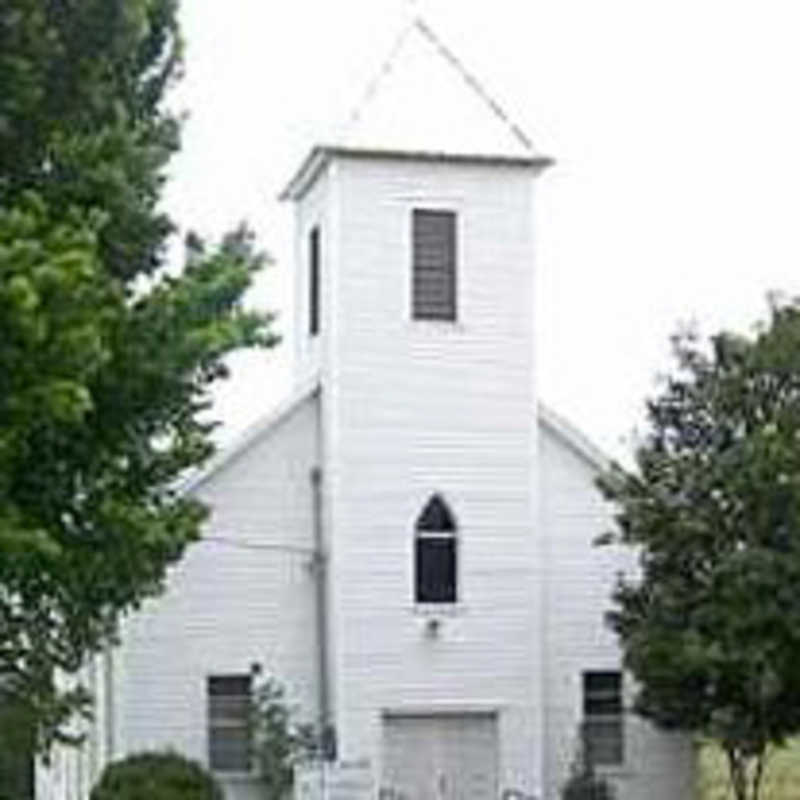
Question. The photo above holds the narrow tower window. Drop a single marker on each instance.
(434, 264)
(313, 281)
(435, 552)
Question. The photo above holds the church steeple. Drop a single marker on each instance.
(410, 176)
(415, 304)
(425, 99)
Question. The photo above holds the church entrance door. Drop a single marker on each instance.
(440, 756)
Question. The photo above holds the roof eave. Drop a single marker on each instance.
(252, 434)
(574, 438)
(305, 175)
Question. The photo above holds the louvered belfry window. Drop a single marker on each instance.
(434, 264)
(229, 723)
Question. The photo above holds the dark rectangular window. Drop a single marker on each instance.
(434, 264)
(603, 718)
(229, 698)
(313, 282)
(435, 568)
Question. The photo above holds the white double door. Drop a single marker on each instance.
(440, 757)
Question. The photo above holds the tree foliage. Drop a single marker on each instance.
(105, 359)
(710, 626)
(16, 751)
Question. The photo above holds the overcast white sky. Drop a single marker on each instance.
(675, 197)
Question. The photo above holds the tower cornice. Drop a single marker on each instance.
(321, 155)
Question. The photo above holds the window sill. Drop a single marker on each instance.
(438, 609)
(437, 326)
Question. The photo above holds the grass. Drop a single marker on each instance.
(781, 780)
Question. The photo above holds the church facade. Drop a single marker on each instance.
(406, 542)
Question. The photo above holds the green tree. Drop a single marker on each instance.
(710, 626)
(106, 357)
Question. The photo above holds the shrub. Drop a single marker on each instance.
(156, 776)
(280, 743)
(586, 786)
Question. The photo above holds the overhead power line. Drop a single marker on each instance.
(245, 545)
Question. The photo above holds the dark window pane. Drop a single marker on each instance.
(604, 741)
(434, 264)
(436, 569)
(228, 709)
(436, 516)
(313, 282)
(226, 685)
(602, 693)
(609, 681)
(229, 750)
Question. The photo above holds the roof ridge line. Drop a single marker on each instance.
(383, 71)
(420, 24)
(469, 78)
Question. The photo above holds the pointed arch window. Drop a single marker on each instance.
(436, 554)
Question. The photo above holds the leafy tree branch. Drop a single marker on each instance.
(106, 359)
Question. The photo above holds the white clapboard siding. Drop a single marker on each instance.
(416, 407)
(244, 596)
(657, 765)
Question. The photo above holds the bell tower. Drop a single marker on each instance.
(414, 295)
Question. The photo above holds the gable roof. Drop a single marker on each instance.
(563, 430)
(575, 439)
(424, 104)
(425, 99)
(250, 436)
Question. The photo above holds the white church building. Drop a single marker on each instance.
(406, 542)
